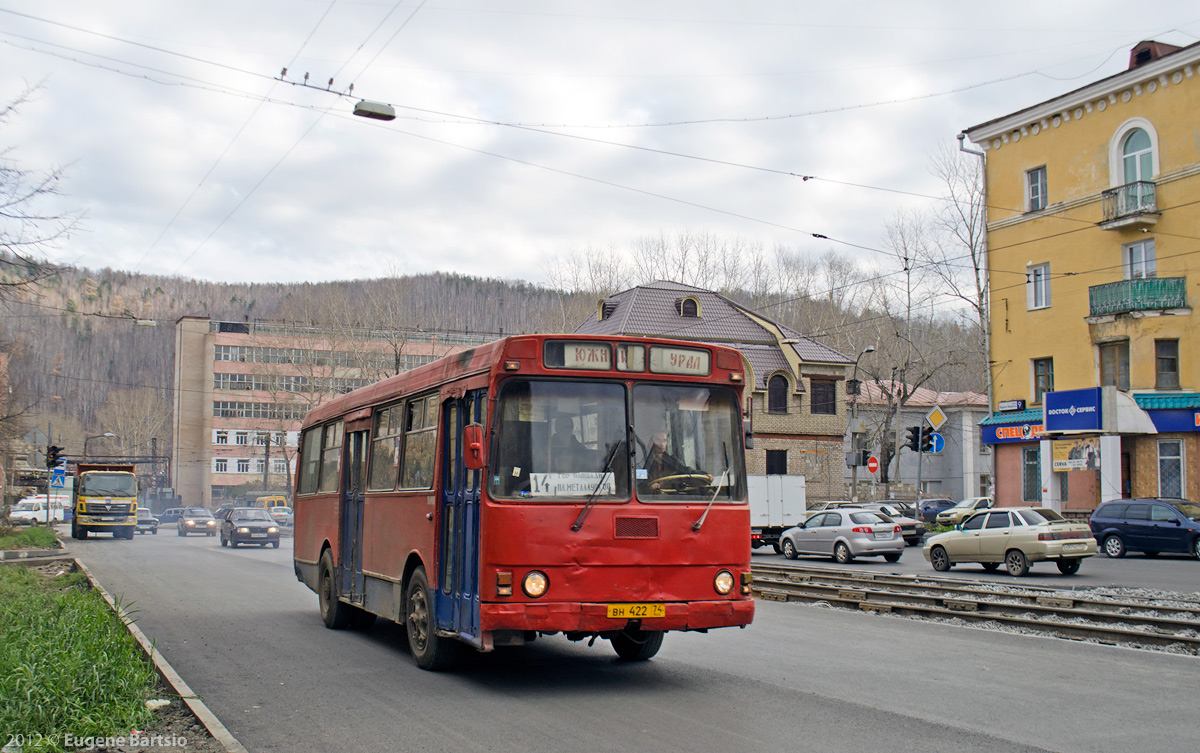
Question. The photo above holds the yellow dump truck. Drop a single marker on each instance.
(104, 501)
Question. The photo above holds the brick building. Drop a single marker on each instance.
(796, 386)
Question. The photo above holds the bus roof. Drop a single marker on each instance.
(480, 360)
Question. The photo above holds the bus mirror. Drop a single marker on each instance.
(749, 441)
(473, 446)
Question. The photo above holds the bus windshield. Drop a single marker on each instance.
(687, 445)
(108, 485)
(559, 440)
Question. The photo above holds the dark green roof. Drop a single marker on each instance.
(1160, 401)
(1027, 416)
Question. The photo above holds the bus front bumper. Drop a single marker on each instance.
(593, 618)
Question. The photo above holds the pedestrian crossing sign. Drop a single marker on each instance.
(58, 482)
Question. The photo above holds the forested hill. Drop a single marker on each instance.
(78, 337)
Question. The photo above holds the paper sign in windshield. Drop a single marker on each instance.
(571, 484)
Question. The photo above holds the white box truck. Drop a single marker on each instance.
(777, 503)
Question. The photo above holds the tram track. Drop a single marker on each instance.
(1152, 623)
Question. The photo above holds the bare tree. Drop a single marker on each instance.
(24, 229)
(135, 416)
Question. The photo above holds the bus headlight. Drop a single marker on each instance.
(723, 582)
(535, 584)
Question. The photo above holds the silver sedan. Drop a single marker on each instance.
(845, 534)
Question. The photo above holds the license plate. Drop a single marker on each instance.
(883, 535)
(636, 611)
(258, 535)
(1074, 547)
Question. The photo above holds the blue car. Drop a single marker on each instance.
(1151, 525)
(931, 507)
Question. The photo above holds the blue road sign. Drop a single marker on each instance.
(58, 482)
(938, 442)
(60, 470)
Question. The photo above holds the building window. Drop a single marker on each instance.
(689, 308)
(259, 465)
(776, 462)
(1036, 182)
(777, 394)
(985, 485)
(1114, 365)
(278, 467)
(1138, 156)
(1063, 486)
(1037, 286)
(260, 438)
(242, 437)
(222, 437)
(1170, 468)
(279, 439)
(824, 398)
(1043, 377)
(243, 465)
(1031, 481)
(1166, 359)
(221, 465)
(1137, 260)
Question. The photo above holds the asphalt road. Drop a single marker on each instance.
(1166, 572)
(247, 637)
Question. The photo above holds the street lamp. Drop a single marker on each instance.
(94, 436)
(853, 424)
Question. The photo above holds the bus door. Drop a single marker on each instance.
(458, 608)
(353, 484)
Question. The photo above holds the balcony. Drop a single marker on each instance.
(1144, 294)
(1130, 205)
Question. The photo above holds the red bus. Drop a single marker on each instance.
(536, 485)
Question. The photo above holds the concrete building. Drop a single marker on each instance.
(242, 389)
(1091, 234)
(796, 385)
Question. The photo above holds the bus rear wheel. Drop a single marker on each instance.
(429, 650)
(637, 645)
(334, 613)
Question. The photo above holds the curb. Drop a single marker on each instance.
(168, 673)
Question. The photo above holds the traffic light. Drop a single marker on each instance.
(53, 455)
(926, 439)
(914, 439)
(863, 456)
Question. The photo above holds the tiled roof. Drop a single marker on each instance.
(871, 392)
(652, 310)
(1159, 401)
(1027, 416)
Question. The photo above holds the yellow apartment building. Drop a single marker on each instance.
(1093, 242)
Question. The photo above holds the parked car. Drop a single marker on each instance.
(282, 515)
(170, 515)
(249, 525)
(34, 511)
(146, 522)
(197, 520)
(844, 534)
(1149, 525)
(911, 529)
(952, 516)
(931, 507)
(1015, 537)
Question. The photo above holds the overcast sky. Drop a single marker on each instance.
(526, 129)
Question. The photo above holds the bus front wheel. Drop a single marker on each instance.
(429, 650)
(637, 645)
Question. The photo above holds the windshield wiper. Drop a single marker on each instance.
(612, 454)
(723, 481)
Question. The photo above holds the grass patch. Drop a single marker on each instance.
(67, 664)
(33, 537)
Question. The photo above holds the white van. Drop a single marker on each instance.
(36, 510)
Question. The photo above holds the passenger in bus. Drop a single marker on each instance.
(566, 450)
(661, 464)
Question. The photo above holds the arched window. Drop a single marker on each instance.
(689, 308)
(777, 391)
(1138, 156)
